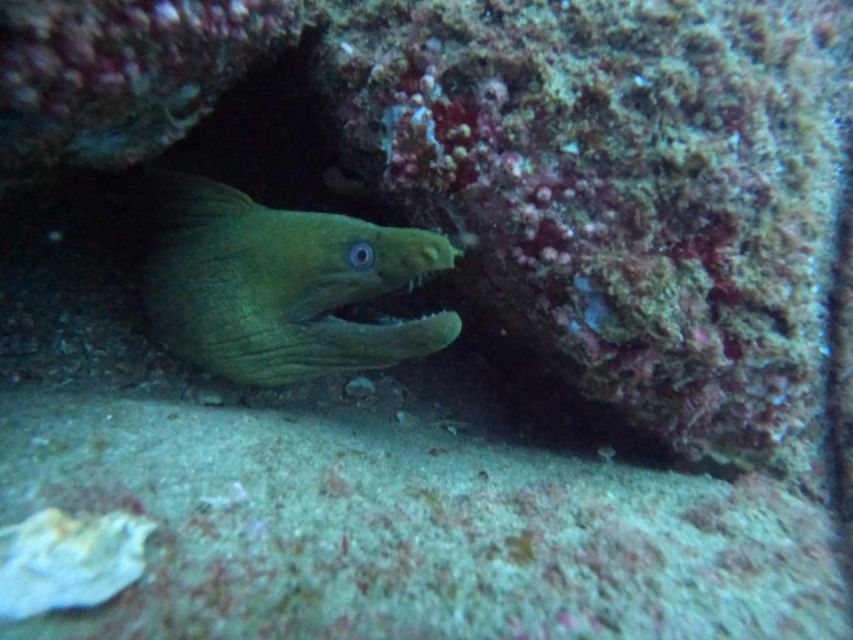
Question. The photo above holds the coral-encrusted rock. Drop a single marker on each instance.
(102, 83)
(651, 184)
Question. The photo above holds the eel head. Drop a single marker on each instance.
(250, 292)
(338, 261)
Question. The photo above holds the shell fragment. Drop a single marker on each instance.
(52, 561)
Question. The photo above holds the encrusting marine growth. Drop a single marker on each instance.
(248, 292)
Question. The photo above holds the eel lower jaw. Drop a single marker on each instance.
(377, 320)
(391, 339)
(365, 315)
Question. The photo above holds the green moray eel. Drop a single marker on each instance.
(247, 292)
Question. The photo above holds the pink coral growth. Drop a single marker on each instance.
(434, 141)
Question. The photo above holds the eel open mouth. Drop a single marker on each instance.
(401, 306)
(391, 327)
(387, 329)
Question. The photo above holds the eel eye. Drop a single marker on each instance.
(362, 255)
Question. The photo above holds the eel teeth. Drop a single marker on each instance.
(417, 281)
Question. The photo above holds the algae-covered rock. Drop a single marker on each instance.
(98, 83)
(651, 185)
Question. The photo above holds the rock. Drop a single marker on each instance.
(360, 388)
(95, 83)
(210, 399)
(652, 190)
(52, 561)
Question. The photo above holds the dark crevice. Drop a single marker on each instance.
(840, 406)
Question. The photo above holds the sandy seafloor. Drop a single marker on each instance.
(412, 513)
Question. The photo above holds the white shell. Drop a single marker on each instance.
(52, 561)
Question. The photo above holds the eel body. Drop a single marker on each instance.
(248, 292)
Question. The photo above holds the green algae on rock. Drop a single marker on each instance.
(248, 292)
